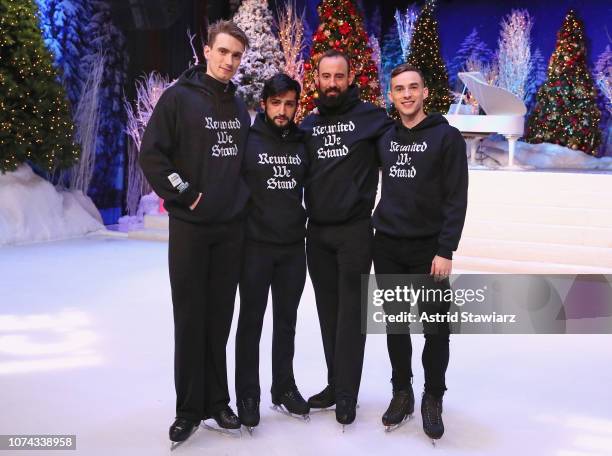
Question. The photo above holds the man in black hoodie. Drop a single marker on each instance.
(191, 154)
(340, 194)
(275, 167)
(418, 222)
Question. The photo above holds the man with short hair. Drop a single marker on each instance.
(275, 166)
(191, 154)
(418, 222)
(340, 194)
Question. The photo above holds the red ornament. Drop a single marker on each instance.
(363, 80)
(307, 66)
(345, 29)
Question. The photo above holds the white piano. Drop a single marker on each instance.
(505, 114)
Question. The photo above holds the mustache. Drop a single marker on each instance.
(331, 90)
(281, 117)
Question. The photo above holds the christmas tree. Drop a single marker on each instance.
(35, 123)
(566, 110)
(104, 36)
(425, 54)
(391, 56)
(472, 47)
(341, 28)
(264, 58)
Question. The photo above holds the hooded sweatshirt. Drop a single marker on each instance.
(343, 174)
(274, 166)
(194, 143)
(424, 183)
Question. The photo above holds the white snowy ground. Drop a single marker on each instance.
(86, 349)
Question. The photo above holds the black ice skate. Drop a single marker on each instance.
(291, 403)
(346, 411)
(400, 409)
(181, 430)
(227, 423)
(248, 413)
(431, 411)
(323, 400)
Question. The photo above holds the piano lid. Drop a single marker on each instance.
(493, 100)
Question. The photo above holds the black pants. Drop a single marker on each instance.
(337, 256)
(404, 256)
(282, 268)
(204, 263)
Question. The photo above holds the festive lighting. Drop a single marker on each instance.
(35, 122)
(425, 54)
(566, 112)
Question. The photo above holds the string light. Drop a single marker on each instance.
(566, 112)
(34, 107)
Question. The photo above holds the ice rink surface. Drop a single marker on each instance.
(86, 348)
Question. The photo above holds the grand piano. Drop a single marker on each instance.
(505, 114)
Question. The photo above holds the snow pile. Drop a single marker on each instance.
(33, 210)
(540, 156)
(149, 205)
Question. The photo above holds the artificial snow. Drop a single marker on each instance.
(33, 210)
(149, 205)
(494, 154)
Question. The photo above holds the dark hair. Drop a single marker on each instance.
(403, 68)
(278, 84)
(335, 53)
(228, 27)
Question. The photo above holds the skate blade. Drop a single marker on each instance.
(250, 430)
(393, 427)
(235, 433)
(281, 409)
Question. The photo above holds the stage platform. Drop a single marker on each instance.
(520, 222)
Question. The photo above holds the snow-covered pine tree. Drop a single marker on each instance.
(104, 36)
(471, 48)
(264, 58)
(603, 78)
(391, 57)
(537, 77)
(63, 23)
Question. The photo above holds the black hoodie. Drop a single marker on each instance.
(343, 174)
(424, 183)
(194, 142)
(274, 166)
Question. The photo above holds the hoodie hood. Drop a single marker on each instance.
(347, 100)
(196, 77)
(264, 127)
(432, 120)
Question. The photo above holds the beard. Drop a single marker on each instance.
(279, 129)
(332, 101)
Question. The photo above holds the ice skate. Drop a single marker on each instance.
(227, 423)
(323, 400)
(291, 403)
(431, 411)
(400, 410)
(346, 412)
(248, 413)
(180, 431)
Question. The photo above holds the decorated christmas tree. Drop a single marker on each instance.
(264, 58)
(35, 123)
(566, 110)
(341, 27)
(425, 54)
